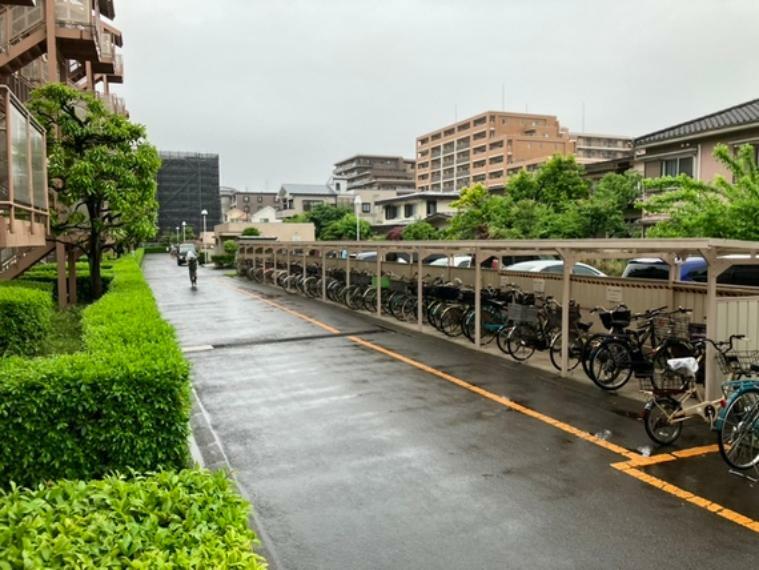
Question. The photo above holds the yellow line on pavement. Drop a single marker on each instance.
(630, 467)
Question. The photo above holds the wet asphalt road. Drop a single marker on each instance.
(356, 460)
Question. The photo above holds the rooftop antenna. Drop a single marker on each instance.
(583, 116)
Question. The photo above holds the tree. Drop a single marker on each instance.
(345, 228)
(230, 247)
(321, 216)
(103, 171)
(718, 209)
(251, 232)
(420, 230)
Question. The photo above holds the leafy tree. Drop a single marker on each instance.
(345, 228)
(251, 232)
(420, 230)
(321, 216)
(103, 171)
(479, 214)
(718, 209)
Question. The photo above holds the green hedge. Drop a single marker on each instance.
(155, 249)
(47, 287)
(25, 316)
(223, 261)
(190, 519)
(121, 404)
(48, 273)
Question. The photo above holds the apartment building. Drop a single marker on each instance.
(376, 172)
(590, 148)
(483, 148)
(42, 41)
(249, 203)
(403, 210)
(294, 199)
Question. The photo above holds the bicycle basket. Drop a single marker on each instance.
(446, 293)
(664, 382)
(618, 318)
(672, 326)
(737, 361)
(399, 286)
(360, 279)
(523, 313)
(467, 296)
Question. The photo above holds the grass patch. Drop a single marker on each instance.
(65, 335)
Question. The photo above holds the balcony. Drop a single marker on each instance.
(113, 103)
(24, 210)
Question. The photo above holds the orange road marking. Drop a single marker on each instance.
(629, 467)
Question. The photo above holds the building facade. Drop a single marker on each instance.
(188, 183)
(376, 172)
(74, 42)
(590, 148)
(251, 202)
(295, 199)
(483, 148)
(410, 208)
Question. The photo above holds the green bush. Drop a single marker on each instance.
(189, 519)
(251, 232)
(155, 249)
(25, 315)
(230, 247)
(223, 261)
(122, 403)
(48, 273)
(47, 287)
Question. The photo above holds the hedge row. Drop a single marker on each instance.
(223, 261)
(25, 317)
(190, 519)
(121, 404)
(48, 273)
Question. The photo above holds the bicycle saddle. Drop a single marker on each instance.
(687, 365)
(584, 326)
(754, 367)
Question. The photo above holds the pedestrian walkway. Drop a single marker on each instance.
(365, 445)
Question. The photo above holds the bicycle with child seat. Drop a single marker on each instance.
(640, 351)
(677, 391)
(534, 322)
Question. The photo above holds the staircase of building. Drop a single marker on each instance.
(15, 261)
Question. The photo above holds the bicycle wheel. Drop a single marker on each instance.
(738, 437)
(588, 349)
(519, 343)
(656, 419)
(611, 365)
(576, 349)
(450, 321)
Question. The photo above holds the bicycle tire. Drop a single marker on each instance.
(611, 365)
(450, 321)
(655, 420)
(518, 342)
(576, 348)
(737, 427)
(591, 344)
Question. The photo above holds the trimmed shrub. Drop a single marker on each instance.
(223, 261)
(123, 403)
(251, 232)
(25, 315)
(190, 519)
(48, 273)
(36, 285)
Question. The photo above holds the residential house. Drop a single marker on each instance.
(434, 207)
(294, 199)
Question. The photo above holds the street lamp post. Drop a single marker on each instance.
(204, 213)
(357, 211)
(177, 228)
(184, 232)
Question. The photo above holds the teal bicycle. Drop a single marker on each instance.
(737, 424)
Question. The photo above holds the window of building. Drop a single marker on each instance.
(246, 198)
(260, 199)
(496, 174)
(497, 144)
(391, 212)
(496, 159)
(431, 207)
(366, 208)
(338, 186)
(246, 209)
(677, 166)
(409, 210)
(480, 121)
(479, 164)
(308, 205)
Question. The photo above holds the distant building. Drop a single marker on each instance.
(294, 199)
(403, 210)
(187, 184)
(251, 202)
(226, 197)
(375, 172)
(482, 148)
(590, 148)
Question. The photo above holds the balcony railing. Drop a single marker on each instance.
(18, 22)
(113, 103)
(24, 209)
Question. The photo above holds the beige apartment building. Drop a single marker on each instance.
(483, 148)
(375, 172)
(591, 148)
(41, 41)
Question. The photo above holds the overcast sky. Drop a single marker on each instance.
(282, 89)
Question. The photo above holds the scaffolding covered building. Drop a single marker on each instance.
(188, 183)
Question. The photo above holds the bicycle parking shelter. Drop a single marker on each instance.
(719, 254)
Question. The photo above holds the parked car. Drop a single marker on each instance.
(555, 266)
(693, 269)
(458, 261)
(400, 257)
(184, 249)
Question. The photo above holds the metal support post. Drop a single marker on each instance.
(324, 274)
(347, 268)
(72, 278)
(674, 270)
(477, 298)
(566, 297)
(288, 269)
(419, 290)
(60, 258)
(716, 267)
(379, 282)
(305, 259)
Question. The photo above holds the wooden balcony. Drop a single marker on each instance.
(24, 207)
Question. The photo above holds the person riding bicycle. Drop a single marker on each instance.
(192, 264)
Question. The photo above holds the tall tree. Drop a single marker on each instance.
(321, 216)
(345, 228)
(103, 171)
(719, 209)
